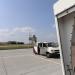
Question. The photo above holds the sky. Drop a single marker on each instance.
(19, 18)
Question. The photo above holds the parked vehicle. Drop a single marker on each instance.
(52, 50)
(45, 48)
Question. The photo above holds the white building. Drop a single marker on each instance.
(64, 11)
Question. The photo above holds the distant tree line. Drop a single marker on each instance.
(14, 42)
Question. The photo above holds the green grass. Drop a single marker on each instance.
(6, 47)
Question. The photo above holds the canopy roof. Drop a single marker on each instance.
(63, 5)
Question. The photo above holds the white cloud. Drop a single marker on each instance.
(8, 32)
(23, 29)
(4, 31)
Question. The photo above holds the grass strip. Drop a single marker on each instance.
(7, 47)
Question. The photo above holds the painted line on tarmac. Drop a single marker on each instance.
(50, 60)
(16, 56)
(38, 56)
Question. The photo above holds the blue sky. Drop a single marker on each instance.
(18, 18)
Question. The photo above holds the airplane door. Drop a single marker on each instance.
(73, 47)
